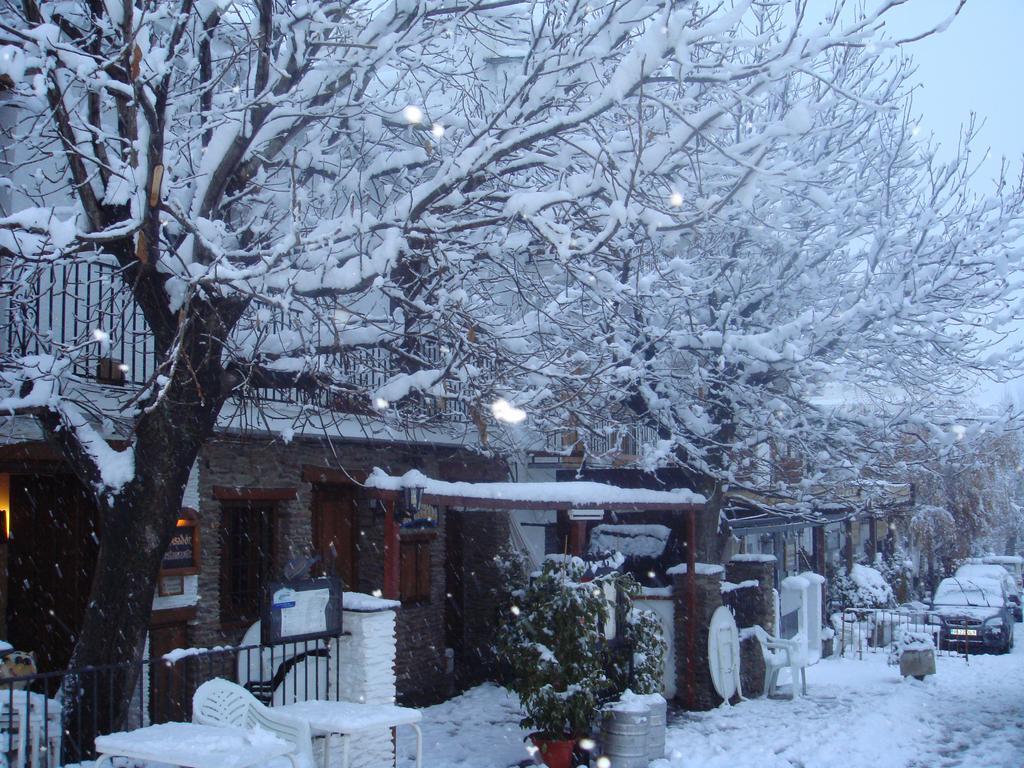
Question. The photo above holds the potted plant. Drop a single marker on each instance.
(553, 646)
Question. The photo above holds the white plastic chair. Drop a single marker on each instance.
(221, 702)
(779, 654)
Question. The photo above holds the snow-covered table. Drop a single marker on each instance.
(194, 746)
(344, 718)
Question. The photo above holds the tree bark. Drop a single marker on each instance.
(136, 527)
(136, 524)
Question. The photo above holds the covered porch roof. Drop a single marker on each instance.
(503, 496)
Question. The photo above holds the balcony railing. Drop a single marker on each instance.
(76, 305)
(603, 441)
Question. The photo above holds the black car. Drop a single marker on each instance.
(973, 615)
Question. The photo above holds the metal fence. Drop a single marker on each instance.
(78, 303)
(40, 728)
(876, 630)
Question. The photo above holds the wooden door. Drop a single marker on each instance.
(335, 533)
(52, 559)
(169, 696)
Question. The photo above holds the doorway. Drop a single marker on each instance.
(51, 561)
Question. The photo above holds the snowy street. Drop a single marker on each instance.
(857, 713)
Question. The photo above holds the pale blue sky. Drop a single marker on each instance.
(977, 65)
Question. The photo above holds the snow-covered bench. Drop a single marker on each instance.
(192, 745)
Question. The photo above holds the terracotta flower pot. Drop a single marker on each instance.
(556, 753)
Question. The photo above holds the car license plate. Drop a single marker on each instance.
(964, 632)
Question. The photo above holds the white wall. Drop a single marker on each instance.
(366, 655)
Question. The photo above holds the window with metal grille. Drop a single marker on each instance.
(246, 558)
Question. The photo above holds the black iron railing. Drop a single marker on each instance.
(42, 727)
(87, 307)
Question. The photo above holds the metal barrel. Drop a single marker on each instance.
(656, 728)
(624, 735)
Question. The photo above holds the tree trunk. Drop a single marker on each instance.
(136, 527)
(137, 522)
(711, 537)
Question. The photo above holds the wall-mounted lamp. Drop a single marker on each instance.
(413, 498)
(5, 506)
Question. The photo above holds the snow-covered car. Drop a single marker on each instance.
(973, 615)
(997, 572)
(1014, 564)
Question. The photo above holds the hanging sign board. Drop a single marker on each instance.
(586, 514)
(182, 555)
(302, 609)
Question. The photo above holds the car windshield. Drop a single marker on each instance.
(993, 572)
(968, 592)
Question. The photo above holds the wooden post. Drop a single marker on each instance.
(820, 565)
(691, 608)
(848, 535)
(818, 547)
(577, 537)
(392, 552)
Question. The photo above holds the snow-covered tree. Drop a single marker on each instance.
(692, 212)
(969, 494)
(790, 265)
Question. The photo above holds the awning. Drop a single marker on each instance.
(568, 495)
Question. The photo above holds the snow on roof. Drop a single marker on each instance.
(701, 569)
(1001, 559)
(630, 540)
(569, 494)
(753, 558)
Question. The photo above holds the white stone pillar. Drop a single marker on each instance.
(365, 656)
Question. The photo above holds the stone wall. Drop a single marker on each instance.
(261, 462)
(475, 541)
(752, 603)
(753, 607)
(421, 663)
(692, 667)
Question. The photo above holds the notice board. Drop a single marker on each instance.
(305, 609)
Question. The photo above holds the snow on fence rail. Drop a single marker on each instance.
(877, 630)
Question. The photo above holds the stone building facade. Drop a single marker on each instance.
(302, 487)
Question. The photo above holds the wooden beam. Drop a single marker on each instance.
(392, 552)
(577, 537)
(692, 624)
(333, 475)
(469, 502)
(233, 493)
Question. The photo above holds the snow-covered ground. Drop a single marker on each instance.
(857, 713)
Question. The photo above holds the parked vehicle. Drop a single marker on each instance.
(973, 615)
(1012, 563)
(998, 573)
